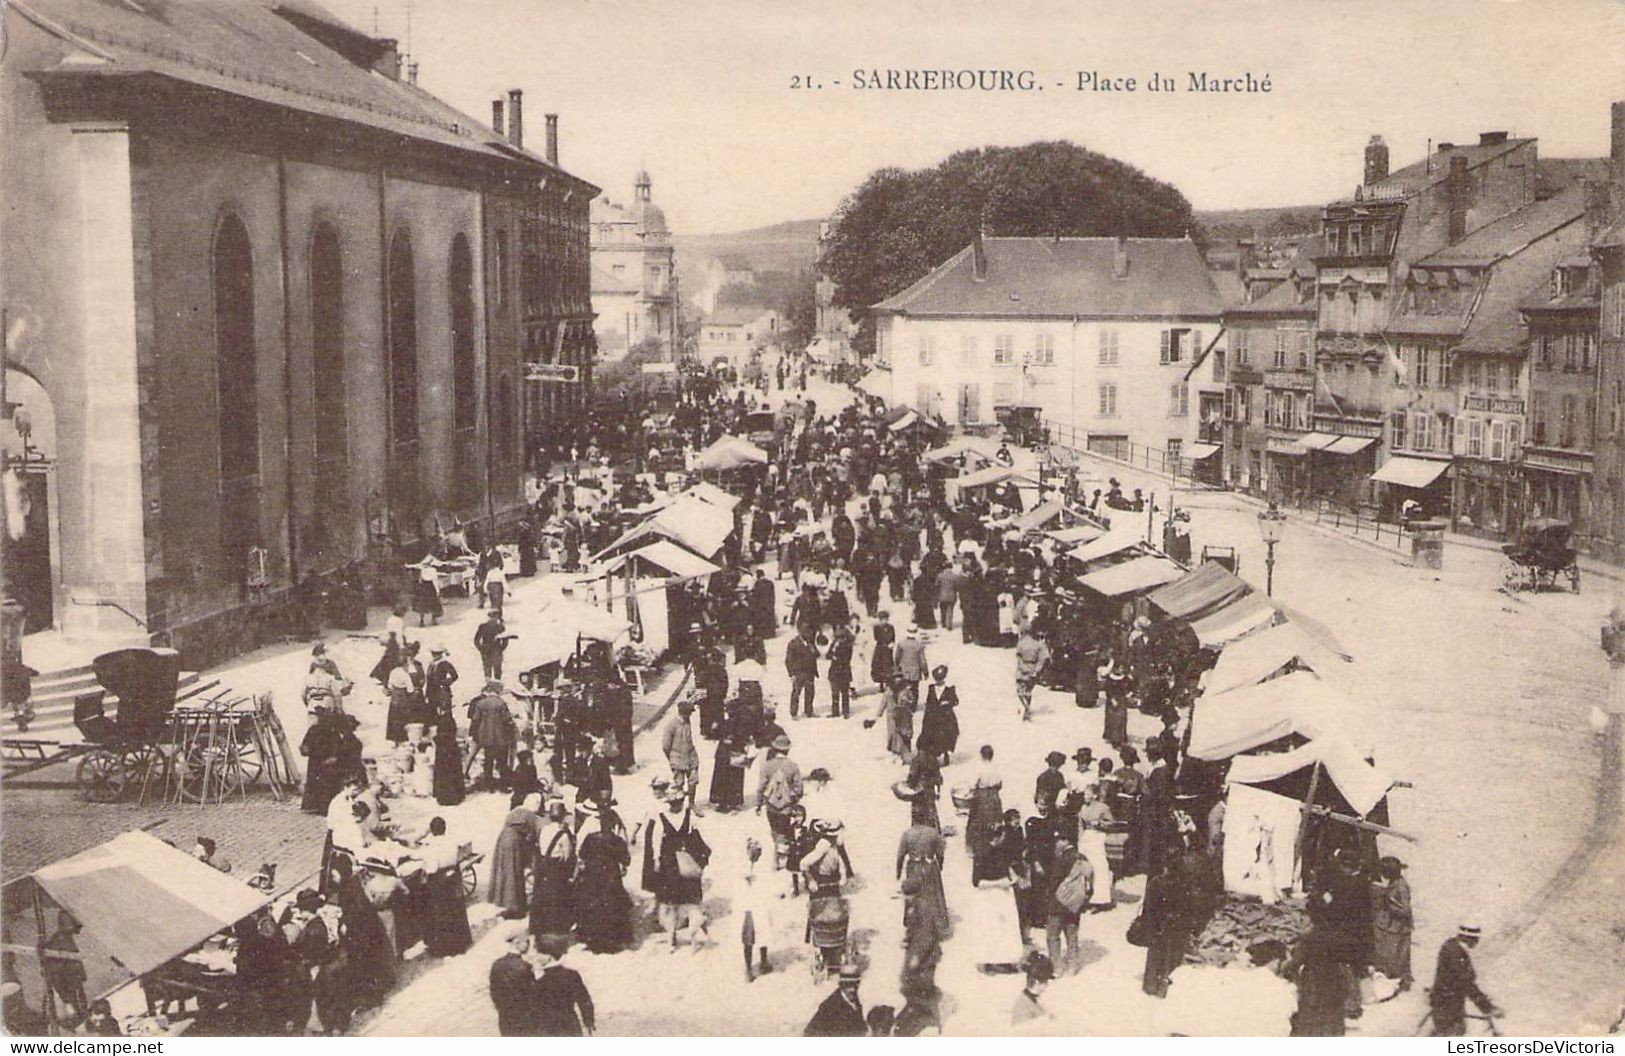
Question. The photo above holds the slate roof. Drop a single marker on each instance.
(1511, 233)
(1048, 277)
(1409, 180)
(1282, 299)
(258, 51)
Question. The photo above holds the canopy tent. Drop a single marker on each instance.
(1108, 544)
(1142, 573)
(729, 452)
(1035, 519)
(1262, 656)
(904, 422)
(1360, 783)
(1078, 533)
(1410, 472)
(665, 556)
(706, 491)
(690, 521)
(1206, 589)
(1234, 621)
(981, 447)
(139, 902)
(1227, 724)
(876, 383)
(987, 477)
(1317, 631)
(564, 624)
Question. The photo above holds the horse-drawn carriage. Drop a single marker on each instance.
(1544, 551)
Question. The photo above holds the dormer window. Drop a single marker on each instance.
(1560, 283)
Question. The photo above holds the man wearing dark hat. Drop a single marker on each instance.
(492, 729)
(1051, 782)
(513, 989)
(841, 1014)
(438, 680)
(490, 640)
(1454, 981)
(677, 742)
(801, 663)
(1391, 922)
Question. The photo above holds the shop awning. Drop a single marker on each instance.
(989, 476)
(1276, 445)
(1236, 620)
(1037, 518)
(706, 491)
(1228, 724)
(1360, 783)
(1318, 441)
(1206, 588)
(689, 521)
(1078, 533)
(1262, 656)
(1134, 576)
(142, 903)
(876, 383)
(1200, 451)
(1410, 472)
(1112, 542)
(1350, 445)
(668, 556)
(730, 452)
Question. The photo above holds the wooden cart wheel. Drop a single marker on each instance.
(146, 766)
(471, 879)
(101, 777)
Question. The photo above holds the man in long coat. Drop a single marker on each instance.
(514, 991)
(841, 1014)
(492, 729)
(1455, 981)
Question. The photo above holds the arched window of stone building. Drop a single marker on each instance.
(327, 343)
(403, 341)
(464, 375)
(235, 360)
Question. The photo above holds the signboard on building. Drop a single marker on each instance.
(1301, 381)
(1492, 404)
(568, 373)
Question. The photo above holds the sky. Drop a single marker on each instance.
(699, 91)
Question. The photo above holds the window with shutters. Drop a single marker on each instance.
(1239, 346)
(1174, 345)
(1178, 400)
(1568, 421)
(1004, 350)
(1588, 435)
(1443, 433)
(1475, 438)
(1108, 348)
(1498, 440)
(967, 350)
(1218, 365)
(1571, 352)
(1537, 417)
(1304, 342)
(970, 402)
(1108, 400)
(926, 350)
(1397, 431)
(1044, 350)
(1588, 350)
(1279, 362)
(1514, 447)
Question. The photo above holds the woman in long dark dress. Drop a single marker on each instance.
(448, 762)
(512, 858)
(369, 953)
(604, 910)
(939, 726)
(1114, 685)
(985, 811)
(445, 914)
(728, 775)
(552, 902)
(920, 852)
(925, 600)
(332, 748)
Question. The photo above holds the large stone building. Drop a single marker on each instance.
(1109, 338)
(634, 284)
(1608, 254)
(278, 305)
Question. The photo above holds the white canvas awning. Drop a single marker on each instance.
(1410, 472)
(977, 446)
(1200, 451)
(876, 383)
(668, 556)
(1112, 542)
(709, 492)
(1236, 620)
(1350, 445)
(1317, 441)
(1262, 656)
(730, 452)
(1227, 724)
(1077, 534)
(904, 422)
(1142, 573)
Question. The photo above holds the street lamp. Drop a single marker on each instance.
(1270, 523)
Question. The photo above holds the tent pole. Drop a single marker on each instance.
(48, 1003)
(1304, 813)
(1361, 823)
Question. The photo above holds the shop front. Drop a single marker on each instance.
(1486, 498)
(1557, 484)
(1424, 481)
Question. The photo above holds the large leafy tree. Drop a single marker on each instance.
(898, 225)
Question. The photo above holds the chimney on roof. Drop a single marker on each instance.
(1616, 144)
(516, 118)
(1491, 139)
(388, 59)
(1376, 161)
(1457, 188)
(1599, 212)
(1120, 258)
(411, 71)
(978, 257)
(496, 116)
(552, 139)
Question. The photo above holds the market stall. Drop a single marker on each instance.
(131, 908)
(1205, 589)
(1234, 621)
(1272, 652)
(1132, 577)
(729, 453)
(690, 521)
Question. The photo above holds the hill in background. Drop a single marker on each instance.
(1228, 225)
